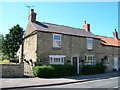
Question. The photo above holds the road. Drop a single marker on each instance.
(101, 83)
(105, 84)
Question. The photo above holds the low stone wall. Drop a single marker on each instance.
(12, 70)
(28, 69)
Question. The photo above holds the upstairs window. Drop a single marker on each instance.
(90, 60)
(57, 40)
(89, 43)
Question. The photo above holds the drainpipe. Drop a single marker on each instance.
(22, 49)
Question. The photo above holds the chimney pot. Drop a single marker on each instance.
(32, 16)
(32, 10)
(86, 26)
(115, 34)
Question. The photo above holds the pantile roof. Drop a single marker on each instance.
(109, 41)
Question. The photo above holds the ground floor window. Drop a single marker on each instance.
(56, 59)
(90, 60)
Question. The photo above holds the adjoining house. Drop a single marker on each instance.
(109, 50)
(57, 44)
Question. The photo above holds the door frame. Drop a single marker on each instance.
(78, 66)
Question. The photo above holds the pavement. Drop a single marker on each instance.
(13, 83)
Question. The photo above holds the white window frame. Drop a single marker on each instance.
(52, 58)
(90, 62)
(89, 44)
(56, 40)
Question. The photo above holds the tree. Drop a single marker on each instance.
(1, 38)
(12, 41)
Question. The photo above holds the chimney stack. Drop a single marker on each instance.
(86, 26)
(32, 16)
(115, 34)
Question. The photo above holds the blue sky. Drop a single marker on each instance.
(103, 16)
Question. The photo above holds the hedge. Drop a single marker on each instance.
(49, 71)
(93, 69)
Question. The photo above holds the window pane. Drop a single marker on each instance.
(90, 60)
(56, 43)
(89, 43)
(50, 59)
(56, 40)
(62, 60)
(56, 37)
(57, 60)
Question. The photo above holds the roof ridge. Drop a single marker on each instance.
(105, 36)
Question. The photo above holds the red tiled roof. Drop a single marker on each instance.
(109, 41)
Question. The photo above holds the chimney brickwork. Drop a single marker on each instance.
(32, 16)
(86, 26)
(115, 34)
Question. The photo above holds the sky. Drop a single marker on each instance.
(102, 16)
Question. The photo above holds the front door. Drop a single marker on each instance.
(76, 64)
(116, 63)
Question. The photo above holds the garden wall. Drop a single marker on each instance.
(12, 70)
(28, 69)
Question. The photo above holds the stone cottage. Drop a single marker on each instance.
(109, 51)
(57, 44)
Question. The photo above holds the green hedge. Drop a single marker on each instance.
(48, 71)
(93, 69)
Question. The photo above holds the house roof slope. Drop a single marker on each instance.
(109, 41)
(48, 27)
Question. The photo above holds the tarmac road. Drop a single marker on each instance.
(101, 83)
(105, 80)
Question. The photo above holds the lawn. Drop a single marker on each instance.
(1, 62)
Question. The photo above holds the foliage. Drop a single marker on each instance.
(14, 60)
(47, 71)
(6, 61)
(93, 69)
(12, 41)
(1, 38)
(41, 61)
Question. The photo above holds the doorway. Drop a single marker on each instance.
(75, 62)
(116, 63)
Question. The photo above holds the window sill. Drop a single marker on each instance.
(57, 47)
(56, 63)
(90, 49)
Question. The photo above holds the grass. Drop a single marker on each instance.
(0, 58)
(1, 62)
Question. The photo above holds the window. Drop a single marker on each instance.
(90, 60)
(57, 40)
(56, 59)
(89, 43)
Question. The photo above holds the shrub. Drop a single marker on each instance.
(93, 69)
(14, 60)
(48, 71)
(6, 61)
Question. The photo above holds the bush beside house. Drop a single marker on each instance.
(93, 69)
(48, 71)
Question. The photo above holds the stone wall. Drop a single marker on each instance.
(28, 69)
(75, 46)
(109, 51)
(71, 46)
(40, 46)
(30, 47)
(12, 70)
